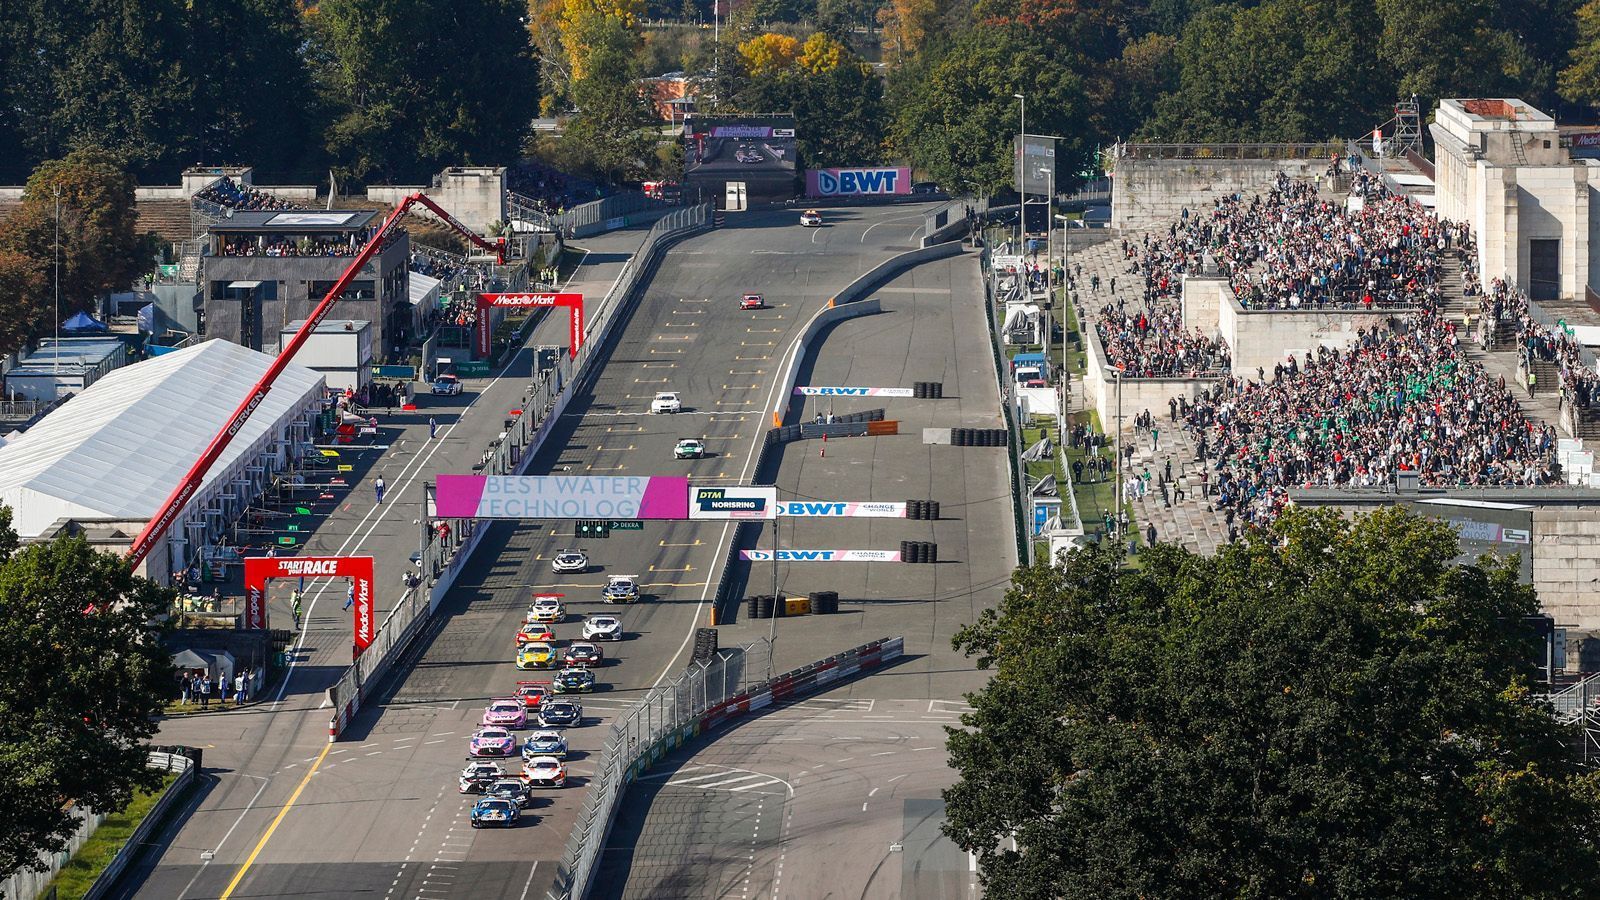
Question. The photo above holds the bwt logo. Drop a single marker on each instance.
(815, 509)
(844, 392)
(857, 181)
(309, 567)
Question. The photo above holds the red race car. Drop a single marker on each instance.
(533, 693)
(752, 301)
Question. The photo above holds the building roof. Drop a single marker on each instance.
(117, 449)
(74, 354)
(420, 286)
(296, 221)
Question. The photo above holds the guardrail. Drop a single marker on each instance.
(442, 559)
(1014, 454)
(1320, 150)
(706, 697)
(29, 884)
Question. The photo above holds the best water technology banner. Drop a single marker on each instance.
(857, 182)
(822, 555)
(562, 497)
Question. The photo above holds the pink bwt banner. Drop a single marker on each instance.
(561, 497)
(822, 555)
(858, 182)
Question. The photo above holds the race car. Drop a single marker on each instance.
(561, 714)
(536, 655)
(534, 631)
(492, 811)
(689, 448)
(544, 743)
(574, 681)
(492, 742)
(544, 771)
(569, 561)
(602, 628)
(533, 694)
(511, 790)
(477, 776)
(547, 608)
(752, 301)
(584, 655)
(811, 219)
(445, 386)
(666, 402)
(620, 589)
(506, 714)
(748, 154)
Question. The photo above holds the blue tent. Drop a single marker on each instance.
(83, 322)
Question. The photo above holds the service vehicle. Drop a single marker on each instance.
(445, 386)
(748, 154)
(477, 776)
(544, 743)
(533, 694)
(574, 681)
(492, 742)
(752, 301)
(620, 589)
(561, 714)
(536, 655)
(584, 655)
(689, 448)
(547, 608)
(511, 790)
(569, 561)
(811, 218)
(545, 771)
(492, 811)
(666, 402)
(534, 631)
(507, 713)
(602, 628)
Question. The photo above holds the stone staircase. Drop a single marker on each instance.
(168, 218)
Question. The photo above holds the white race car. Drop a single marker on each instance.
(811, 219)
(620, 589)
(602, 628)
(569, 561)
(666, 402)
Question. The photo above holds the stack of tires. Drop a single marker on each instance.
(923, 510)
(919, 552)
(927, 390)
(764, 606)
(705, 644)
(978, 437)
(824, 603)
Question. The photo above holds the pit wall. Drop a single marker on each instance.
(1152, 193)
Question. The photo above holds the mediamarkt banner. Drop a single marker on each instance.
(852, 392)
(561, 497)
(735, 502)
(857, 182)
(867, 510)
(822, 555)
(258, 570)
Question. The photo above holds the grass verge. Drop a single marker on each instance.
(79, 874)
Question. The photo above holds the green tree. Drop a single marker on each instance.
(23, 289)
(82, 676)
(420, 84)
(1580, 80)
(1468, 49)
(1334, 710)
(608, 135)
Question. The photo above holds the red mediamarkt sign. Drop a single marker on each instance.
(486, 302)
(258, 570)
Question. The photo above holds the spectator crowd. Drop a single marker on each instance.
(1154, 344)
(228, 193)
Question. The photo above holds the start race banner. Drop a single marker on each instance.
(561, 497)
(822, 555)
(805, 391)
(867, 510)
(486, 302)
(258, 570)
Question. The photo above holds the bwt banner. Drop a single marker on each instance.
(561, 497)
(258, 570)
(852, 392)
(733, 502)
(857, 182)
(822, 555)
(869, 510)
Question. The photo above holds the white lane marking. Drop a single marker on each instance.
(529, 882)
(898, 777)
(746, 787)
(886, 753)
(242, 813)
(728, 783)
(706, 777)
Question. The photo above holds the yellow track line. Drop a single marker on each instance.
(250, 860)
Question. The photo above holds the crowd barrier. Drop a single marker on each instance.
(707, 696)
(544, 402)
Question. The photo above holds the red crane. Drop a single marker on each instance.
(162, 520)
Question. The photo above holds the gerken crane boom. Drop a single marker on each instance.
(164, 517)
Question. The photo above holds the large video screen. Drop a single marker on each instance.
(757, 150)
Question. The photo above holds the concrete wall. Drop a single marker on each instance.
(475, 195)
(1138, 394)
(1149, 193)
(1262, 338)
(1566, 559)
(1202, 301)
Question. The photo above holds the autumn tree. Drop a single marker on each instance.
(769, 54)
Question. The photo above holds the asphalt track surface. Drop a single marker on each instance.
(378, 814)
(806, 800)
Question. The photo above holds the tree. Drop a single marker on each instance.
(23, 290)
(608, 133)
(1468, 50)
(101, 247)
(768, 54)
(1580, 80)
(82, 676)
(1332, 710)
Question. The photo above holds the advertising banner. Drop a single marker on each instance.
(756, 155)
(561, 497)
(737, 502)
(573, 302)
(258, 570)
(865, 510)
(852, 392)
(1034, 172)
(858, 182)
(1585, 145)
(822, 555)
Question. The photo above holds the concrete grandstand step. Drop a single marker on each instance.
(168, 218)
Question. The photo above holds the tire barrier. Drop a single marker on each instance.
(919, 552)
(924, 510)
(824, 603)
(705, 644)
(978, 437)
(927, 390)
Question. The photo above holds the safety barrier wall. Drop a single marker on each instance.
(707, 696)
(824, 317)
(542, 406)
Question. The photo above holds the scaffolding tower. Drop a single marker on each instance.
(1407, 127)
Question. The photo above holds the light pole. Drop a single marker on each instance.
(1117, 513)
(55, 265)
(1022, 157)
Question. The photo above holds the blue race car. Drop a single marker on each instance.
(545, 743)
(494, 811)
